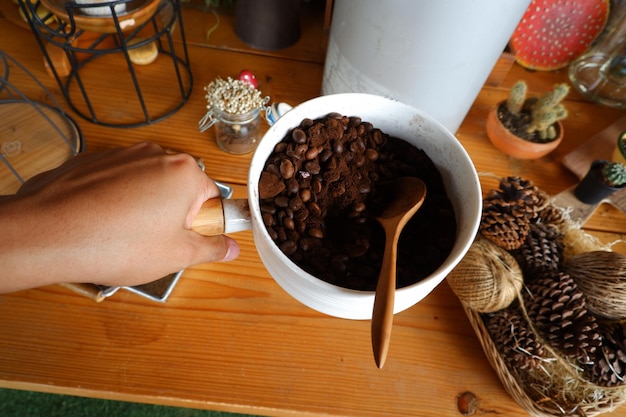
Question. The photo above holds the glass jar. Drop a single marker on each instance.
(600, 73)
(234, 133)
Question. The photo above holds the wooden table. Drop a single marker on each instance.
(229, 338)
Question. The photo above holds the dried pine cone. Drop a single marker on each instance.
(525, 192)
(551, 215)
(514, 339)
(504, 223)
(558, 310)
(609, 365)
(541, 251)
(507, 212)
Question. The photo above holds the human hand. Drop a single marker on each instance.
(120, 217)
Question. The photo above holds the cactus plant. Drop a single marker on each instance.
(538, 114)
(614, 174)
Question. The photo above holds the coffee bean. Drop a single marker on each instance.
(286, 169)
(306, 122)
(268, 208)
(358, 206)
(280, 147)
(338, 147)
(289, 224)
(282, 201)
(467, 403)
(315, 232)
(293, 186)
(268, 219)
(371, 154)
(358, 248)
(325, 155)
(311, 153)
(357, 146)
(280, 217)
(305, 195)
(314, 209)
(305, 244)
(298, 135)
(272, 233)
(316, 185)
(377, 137)
(273, 169)
(301, 150)
(300, 224)
(296, 203)
(289, 247)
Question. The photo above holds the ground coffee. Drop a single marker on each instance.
(323, 185)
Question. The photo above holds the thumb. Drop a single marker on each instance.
(213, 249)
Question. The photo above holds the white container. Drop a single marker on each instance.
(432, 54)
(396, 119)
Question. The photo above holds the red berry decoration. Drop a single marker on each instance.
(248, 77)
(552, 33)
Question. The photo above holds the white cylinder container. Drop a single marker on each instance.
(432, 54)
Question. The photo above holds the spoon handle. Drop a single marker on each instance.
(382, 315)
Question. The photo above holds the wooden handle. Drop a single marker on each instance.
(382, 315)
(210, 219)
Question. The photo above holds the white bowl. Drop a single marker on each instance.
(396, 119)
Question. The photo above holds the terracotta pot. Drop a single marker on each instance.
(514, 146)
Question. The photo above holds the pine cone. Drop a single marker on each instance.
(507, 212)
(542, 250)
(609, 365)
(504, 223)
(514, 339)
(558, 310)
(524, 192)
(551, 215)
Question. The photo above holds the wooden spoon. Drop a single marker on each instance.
(408, 196)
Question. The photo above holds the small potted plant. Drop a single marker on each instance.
(528, 127)
(603, 179)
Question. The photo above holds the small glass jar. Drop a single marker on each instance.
(234, 133)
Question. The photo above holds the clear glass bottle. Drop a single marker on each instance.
(600, 73)
(234, 133)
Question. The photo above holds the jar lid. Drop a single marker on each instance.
(34, 137)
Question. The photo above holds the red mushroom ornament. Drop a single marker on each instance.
(552, 33)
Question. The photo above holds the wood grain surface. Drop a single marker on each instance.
(229, 338)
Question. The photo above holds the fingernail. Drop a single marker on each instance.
(232, 252)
